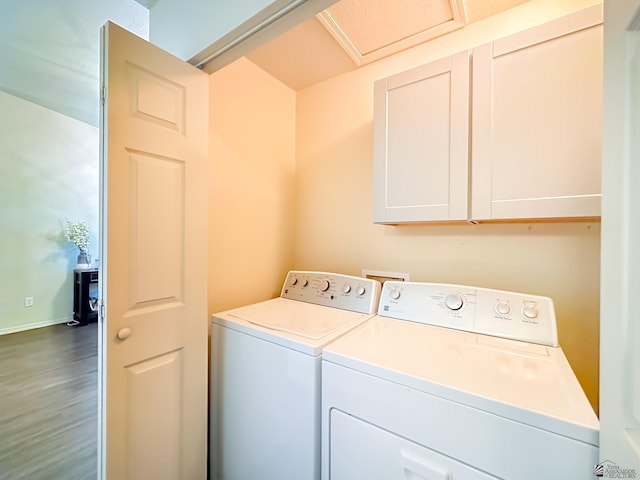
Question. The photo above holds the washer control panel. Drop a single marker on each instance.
(518, 316)
(335, 290)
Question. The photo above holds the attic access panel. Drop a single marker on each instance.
(372, 29)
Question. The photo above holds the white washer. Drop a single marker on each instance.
(452, 382)
(265, 375)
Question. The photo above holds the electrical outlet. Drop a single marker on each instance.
(28, 301)
(384, 276)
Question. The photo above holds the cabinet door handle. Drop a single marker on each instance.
(124, 333)
(424, 468)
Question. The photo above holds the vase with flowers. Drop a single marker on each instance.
(78, 234)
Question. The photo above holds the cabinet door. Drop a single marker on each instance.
(421, 133)
(536, 121)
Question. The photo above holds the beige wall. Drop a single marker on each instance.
(252, 152)
(291, 179)
(334, 230)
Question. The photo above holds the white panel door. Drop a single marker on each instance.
(421, 137)
(620, 316)
(536, 116)
(154, 270)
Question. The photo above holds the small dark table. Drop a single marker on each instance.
(83, 279)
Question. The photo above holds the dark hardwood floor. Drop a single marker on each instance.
(49, 403)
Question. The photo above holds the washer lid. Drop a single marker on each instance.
(530, 383)
(298, 325)
(295, 317)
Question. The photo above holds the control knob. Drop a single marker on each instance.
(530, 311)
(324, 285)
(502, 308)
(453, 301)
(395, 294)
(361, 290)
(346, 288)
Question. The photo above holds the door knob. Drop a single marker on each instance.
(124, 333)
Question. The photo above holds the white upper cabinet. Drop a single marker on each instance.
(421, 135)
(527, 147)
(536, 122)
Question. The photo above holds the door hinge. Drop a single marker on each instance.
(101, 311)
(103, 94)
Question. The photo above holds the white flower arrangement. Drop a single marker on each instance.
(78, 234)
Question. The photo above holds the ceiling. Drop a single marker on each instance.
(371, 29)
(147, 3)
(352, 33)
(50, 51)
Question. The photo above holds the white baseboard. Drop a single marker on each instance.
(31, 326)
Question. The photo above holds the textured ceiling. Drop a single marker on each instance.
(353, 32)
(50, 51)
(374, 24)
(147, 3)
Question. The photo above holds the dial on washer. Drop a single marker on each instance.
(502, 308)
(530, 311)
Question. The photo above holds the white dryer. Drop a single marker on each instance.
(265, 375)
(451, 382)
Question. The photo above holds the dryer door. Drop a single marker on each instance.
(360, 450)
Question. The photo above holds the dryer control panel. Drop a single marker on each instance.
(517, 316)
(335, 290)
